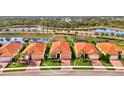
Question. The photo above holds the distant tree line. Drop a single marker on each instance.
(82, 22)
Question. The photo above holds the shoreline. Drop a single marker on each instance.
(79, 28)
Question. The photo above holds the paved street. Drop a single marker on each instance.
(64, 73)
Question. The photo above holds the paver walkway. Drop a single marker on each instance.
(117, 63)
(34, 64)
(96, 62)
(66, 63)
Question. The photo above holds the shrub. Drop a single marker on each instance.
(105, 57)
(16, 58)
(0, 44)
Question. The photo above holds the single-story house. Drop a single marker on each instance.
(86, 50)
(114, 51)
(60, 50)
(34, 51)
(9, 50)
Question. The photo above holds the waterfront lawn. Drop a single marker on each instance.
(26, 35)
(51, 63)
(118, 43)
(82, 62)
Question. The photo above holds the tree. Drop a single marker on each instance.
(105, 57)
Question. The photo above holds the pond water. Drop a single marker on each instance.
(108, 31)
(23, 28)
(21, 40)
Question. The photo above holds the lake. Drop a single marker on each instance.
(108, 31)
(22, 40)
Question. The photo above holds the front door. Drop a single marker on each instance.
(58, 56)
(119, 56)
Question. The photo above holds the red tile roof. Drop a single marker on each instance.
(109, 48)
(10, 49)
(35, 48)
(62, 47)
(85, 47)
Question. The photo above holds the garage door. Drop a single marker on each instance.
(5, 59)
(92, 56)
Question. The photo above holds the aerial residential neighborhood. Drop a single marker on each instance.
(61, 44)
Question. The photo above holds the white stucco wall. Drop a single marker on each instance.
(65, 56)
(113, 57)
(93, 56)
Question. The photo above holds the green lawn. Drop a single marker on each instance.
(51, 63)
(26, 35)
(107, 64)
(118, 43)
(81, 62)
(15, 65)
(70, 39)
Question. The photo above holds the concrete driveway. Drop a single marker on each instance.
(117, 63)
(66, 63)
(3, 65)
(96, 62)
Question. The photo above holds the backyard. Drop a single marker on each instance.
(26, 35)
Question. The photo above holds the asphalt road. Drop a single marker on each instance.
(63, 73)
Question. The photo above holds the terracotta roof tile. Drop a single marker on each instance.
(85, 47)
(10, 49)
(109, 48)
(62, 47)
(35, 48)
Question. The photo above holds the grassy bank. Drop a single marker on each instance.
(26, 35)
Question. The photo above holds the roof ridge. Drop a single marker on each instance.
(55, 48)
